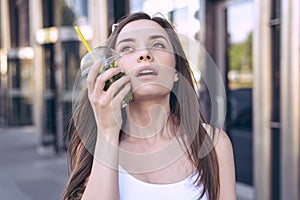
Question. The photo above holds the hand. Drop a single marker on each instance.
(107, 104)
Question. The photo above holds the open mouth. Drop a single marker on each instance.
(146, 71)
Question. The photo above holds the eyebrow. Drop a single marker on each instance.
(152, 37)
(126, 40)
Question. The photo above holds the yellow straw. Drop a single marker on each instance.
(87, 46)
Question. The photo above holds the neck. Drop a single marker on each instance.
(146, 119)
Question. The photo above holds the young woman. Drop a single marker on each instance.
(157, 147)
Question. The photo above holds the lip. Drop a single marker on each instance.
(147, 67)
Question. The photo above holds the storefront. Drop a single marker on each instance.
(40, 58)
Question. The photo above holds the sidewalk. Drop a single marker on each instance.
(25, 172)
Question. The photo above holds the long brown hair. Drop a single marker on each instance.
(80, 147)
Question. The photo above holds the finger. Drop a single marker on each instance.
(117, 85)
(121, 94)
(92, 75)
(115, 88)
(105, 76)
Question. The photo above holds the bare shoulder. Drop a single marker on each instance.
(220, 139)
(225, 156)
(223, 146)
(226, 167)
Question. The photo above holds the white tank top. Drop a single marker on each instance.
(132, 188)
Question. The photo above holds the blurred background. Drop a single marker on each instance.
(255, 45)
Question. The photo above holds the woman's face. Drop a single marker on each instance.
(147, 58)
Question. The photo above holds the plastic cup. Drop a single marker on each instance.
(106, 57)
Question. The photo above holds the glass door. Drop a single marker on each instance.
(19, 92)
(239, 86)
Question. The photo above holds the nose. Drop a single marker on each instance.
(145, 56)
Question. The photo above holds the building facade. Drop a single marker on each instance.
(254, 45)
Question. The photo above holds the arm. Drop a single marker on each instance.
(103, 181)
(226, 167)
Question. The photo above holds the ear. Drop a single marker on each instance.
(175, 77)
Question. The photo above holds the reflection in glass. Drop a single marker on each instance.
(240, 76)
(240, 45)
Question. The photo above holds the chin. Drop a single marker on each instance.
(146, 93)
(147, 89)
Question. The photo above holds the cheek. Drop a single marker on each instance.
(169, 60)
(126, 62)
(173, 62)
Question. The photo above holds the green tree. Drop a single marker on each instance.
(240, 55)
